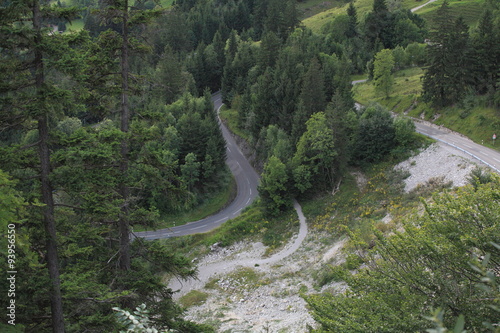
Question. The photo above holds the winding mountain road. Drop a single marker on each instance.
(246, 179)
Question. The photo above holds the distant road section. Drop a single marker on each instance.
(246, 179)
(485, 155)
(425, 4)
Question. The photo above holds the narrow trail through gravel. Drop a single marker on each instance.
(206, 271)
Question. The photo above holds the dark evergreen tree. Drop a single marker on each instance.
(169, 79)
(312, 98)
(229, 75)
(269, 50)
(352, 30)
(448, 75)
(198, 67)
(343, 121)
(259, 15)
(218, 46)
(462, 77)
(204, 22)
(244, 108)
(172, 29)
(286, 100)
(242, 63)
(264, 105)
(378, 27)
(236, 16)
(216, 145)
(28, 94)
(486, 51)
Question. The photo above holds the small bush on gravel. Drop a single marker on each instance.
(192, 298)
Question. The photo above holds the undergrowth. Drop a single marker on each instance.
(473, 116)
(251, 224)
(192, 298)
(360, 212)
(220, 195)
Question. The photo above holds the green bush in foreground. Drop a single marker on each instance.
(428, 266)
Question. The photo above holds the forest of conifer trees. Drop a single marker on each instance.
(112, 126)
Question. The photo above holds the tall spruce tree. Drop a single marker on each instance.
(27, 95)
(312, 98)
(448, 76)
(486, 53)
(378, 26)
(352, 30)
(122, 16)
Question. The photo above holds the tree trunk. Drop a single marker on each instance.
(46, 188)
(124, 229)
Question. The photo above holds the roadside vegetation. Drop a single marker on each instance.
(110, 126)
(252, 224)
(472, 117)
(405, 89)
(398, 262)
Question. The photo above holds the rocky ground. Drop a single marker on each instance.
(265, 296)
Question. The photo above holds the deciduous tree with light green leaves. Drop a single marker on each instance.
(273, 188)
(313, 162)
(382, 72)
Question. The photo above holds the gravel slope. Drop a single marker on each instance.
(271, 302)
(438, 161)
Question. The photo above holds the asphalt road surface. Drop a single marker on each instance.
(483, 154)
(246, 179)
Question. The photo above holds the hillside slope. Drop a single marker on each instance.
(260, 298)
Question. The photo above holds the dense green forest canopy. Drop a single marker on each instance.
(111, 126)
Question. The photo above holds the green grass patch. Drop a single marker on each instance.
(316, 22)
(357, 77)
(470, 10)
(230, 118)
(251, 224)
(75, 25)
(310, 8)
(406, 90)
(405, 96)
(209, 206)
(166, 3)
(193, 298)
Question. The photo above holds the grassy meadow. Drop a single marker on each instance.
(470, 9)
(472, 117)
